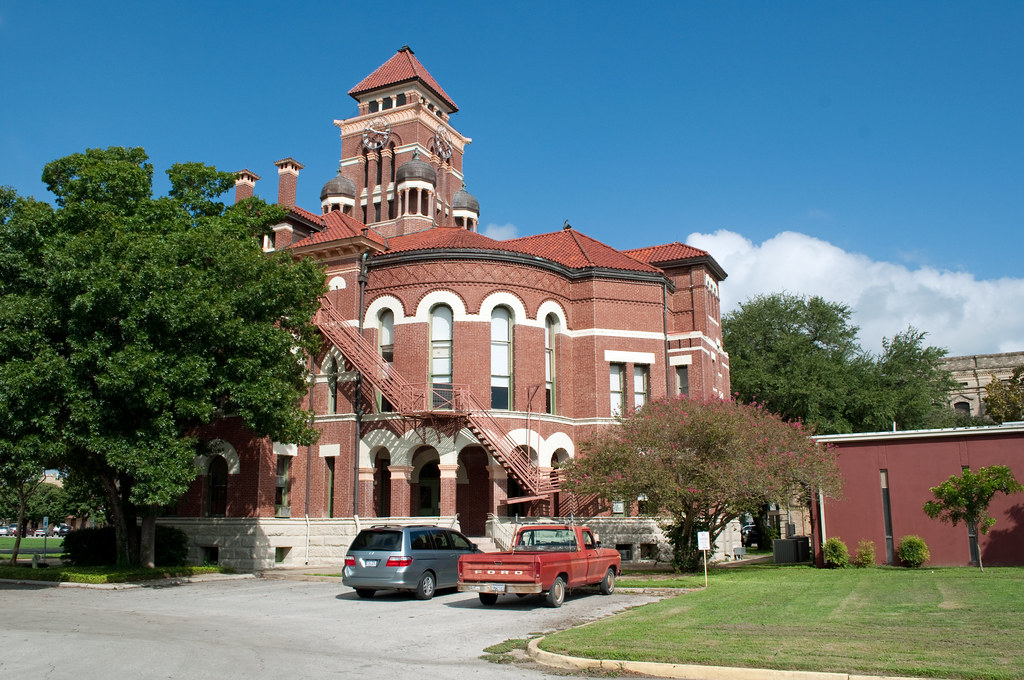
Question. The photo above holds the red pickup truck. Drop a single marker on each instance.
(545, 558)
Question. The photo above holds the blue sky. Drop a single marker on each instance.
(872, 153)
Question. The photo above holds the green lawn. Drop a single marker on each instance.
(7, 543)
(101, 574)
(945, 623)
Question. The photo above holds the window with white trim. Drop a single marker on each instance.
(617, 388)
(550, 335)
(501, 358)
(441, 356)
(641, 385)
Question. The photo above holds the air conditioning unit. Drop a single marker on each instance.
(282, 480)
(283, 511)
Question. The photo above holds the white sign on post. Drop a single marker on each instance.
(704, 543)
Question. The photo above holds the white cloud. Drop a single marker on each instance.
(501, 232)
(959, 312)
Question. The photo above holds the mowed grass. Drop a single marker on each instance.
(98, 575)
(942, 623)
(7, 543)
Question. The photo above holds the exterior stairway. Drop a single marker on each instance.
(419, 401)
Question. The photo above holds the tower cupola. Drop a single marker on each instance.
(465, 209)
(338, 194)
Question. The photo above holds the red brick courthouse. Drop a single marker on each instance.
(457, 372)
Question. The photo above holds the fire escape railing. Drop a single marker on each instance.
(409, 399)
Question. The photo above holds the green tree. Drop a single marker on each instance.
(966, 497)
(1005, 401)
(703, 463)
(799, 356)
(159, 315)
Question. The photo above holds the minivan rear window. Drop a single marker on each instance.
(377, 540)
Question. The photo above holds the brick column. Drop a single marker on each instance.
(388, 161)
(366, 492)
(401, 491)
(448, 489)
(499, 489)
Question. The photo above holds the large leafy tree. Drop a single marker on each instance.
(158, 315)
(799, 356)
(966, 497)
(1005, 401)
(703, 463)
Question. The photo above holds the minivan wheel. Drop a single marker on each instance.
(365, 593)
(488, 599)
(425, 588)
(556, 594)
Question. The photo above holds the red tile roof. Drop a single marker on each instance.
(568, 248)
(577, 250)
(334, 226)
(668, 252)
(401, 68)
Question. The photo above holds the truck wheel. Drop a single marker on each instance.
(556, 594)
(425, 588)
(365, 593)
(487, 599)
(608, 582)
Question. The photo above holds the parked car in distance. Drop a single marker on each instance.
(39, 533)
(546, 558)
(750, 535)
(62, 531)
(4, 531)
(420, 559)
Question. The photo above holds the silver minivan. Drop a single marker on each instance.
(420, 559)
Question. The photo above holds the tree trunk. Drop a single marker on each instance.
(117, 518)
(147, 540)
(977, 539)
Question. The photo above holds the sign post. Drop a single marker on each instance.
(704, 543)
(46, 530)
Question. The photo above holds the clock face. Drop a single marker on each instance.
(443, 142)
(376, 133)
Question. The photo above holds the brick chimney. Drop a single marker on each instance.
(245, 184)
(287, 181)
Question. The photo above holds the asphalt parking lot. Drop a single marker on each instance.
(248, 628)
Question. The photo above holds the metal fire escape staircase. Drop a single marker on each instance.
(431, 401)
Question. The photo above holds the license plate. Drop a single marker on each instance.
(370, 563)
(497, 587)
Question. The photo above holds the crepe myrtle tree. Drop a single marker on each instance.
(152, 317)
(966, 497)
(702, 463)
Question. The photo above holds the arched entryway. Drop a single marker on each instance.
(426, 483)
(382, 484)
(473, 491)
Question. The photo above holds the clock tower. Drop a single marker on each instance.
(401, 160)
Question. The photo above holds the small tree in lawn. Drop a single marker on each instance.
(703, 463)
(965, 498)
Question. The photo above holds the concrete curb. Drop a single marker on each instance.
(686, 671)
(176, 581)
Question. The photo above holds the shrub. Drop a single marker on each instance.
(171, 547)
(865, 555)
(98, 547)
(836, 554)
(90, 547)
(913, 551)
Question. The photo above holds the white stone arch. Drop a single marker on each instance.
(379, 305)
(529, 438)
(559, 440)
(219, 447)
(413, 439)
(552, 307)
(332, 353)
(374, 441)
(439, 297)
(503, 299)
(337, 283)
(424, 458)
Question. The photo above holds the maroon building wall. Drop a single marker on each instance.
(916, 462)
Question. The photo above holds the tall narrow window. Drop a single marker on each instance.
(501, 358)
(617, 387)
(641, 385)
(550, 335)
(441, 356)
(386, 336)
(887, 517)
(282, 507)
(330, 485)
(217, 487)
(332, 385)
(682, 381)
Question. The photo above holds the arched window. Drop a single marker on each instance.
(501, 358)
(550, 336)
(217, 487)
(441, 356)
(331, 369)
(386, 338)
